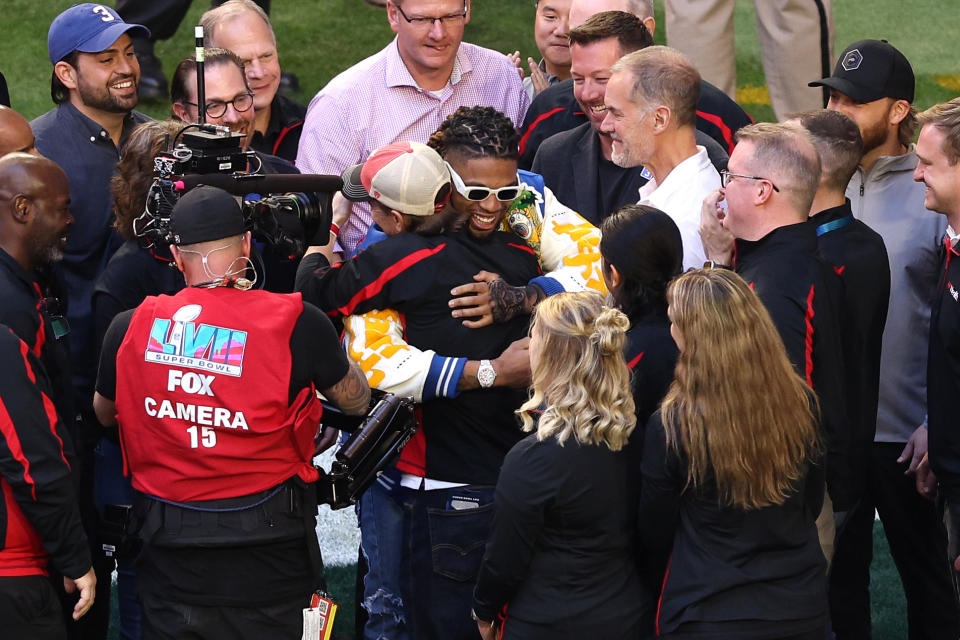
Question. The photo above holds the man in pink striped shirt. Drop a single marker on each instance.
(404, 92)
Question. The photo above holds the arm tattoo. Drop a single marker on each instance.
(351, 394)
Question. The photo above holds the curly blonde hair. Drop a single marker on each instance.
(737, 410)
(580, 376)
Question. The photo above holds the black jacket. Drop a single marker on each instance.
(282, 136)
(857, 254)
(34, 473)
(762, 567)
(27, 311)
(555, 110)
(468, 435)
(571, 163)
(943, 376)
(803, 295)
(651, 357)
(563, 539)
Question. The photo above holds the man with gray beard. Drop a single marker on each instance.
(34, 223)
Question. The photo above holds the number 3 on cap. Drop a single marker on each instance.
(105, 14)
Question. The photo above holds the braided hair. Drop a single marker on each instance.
(477, 132)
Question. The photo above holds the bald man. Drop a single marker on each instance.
(15, 133)
(35, 221)
(555, 109)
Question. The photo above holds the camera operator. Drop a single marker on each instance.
(214, 393)
(230, 103)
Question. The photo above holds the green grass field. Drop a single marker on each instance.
(320, 38)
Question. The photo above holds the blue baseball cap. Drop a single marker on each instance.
(89, 28)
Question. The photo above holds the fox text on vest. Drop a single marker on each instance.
(190, 382)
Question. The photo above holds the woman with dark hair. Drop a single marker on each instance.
(642, 252)
(732, 474)
(559, 561)
(134, 272)
(138, 269)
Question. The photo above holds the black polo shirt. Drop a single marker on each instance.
(85, 151)
(24, 310)
(282, 136)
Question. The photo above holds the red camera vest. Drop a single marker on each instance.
(203, 381)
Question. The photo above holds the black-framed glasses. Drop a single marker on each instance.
(427, 21)
(216, 108)
(508, 193)
(726, 175)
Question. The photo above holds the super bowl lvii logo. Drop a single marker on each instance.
(181, 341)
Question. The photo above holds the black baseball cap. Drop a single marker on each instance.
(205, 213)
(869, 70)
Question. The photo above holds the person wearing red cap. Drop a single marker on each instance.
(223, 477)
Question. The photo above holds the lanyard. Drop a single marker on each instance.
(833, 225)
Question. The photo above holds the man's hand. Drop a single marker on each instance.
(926, 479)
(513, 365)
(537, 76)
(492, 299)
(717, 241)
(915, 450)
(487, 630)
(341, 209)
(87, 584)
(515, 59)
(324, 439)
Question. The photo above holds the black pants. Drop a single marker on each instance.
(165, 620)
(30, 609)
(918, 545)
(163, 17)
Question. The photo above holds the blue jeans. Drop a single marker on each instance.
(110, 487)
(381, 540)
(446, 534)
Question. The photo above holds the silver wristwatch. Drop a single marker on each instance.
(486, 375)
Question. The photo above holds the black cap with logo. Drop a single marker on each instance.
(869, 70)
(206, 213)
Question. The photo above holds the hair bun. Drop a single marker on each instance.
(609, 331)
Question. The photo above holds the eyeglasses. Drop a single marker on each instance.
(726, 175)
(427, 21)
(478, 194)
(216, 108)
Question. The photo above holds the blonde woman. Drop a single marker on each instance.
(560, 559)
(731, 474)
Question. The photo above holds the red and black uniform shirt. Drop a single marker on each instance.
(467, 436)
(39, 518)
(803, 295)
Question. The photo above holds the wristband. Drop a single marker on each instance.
(334, 229)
